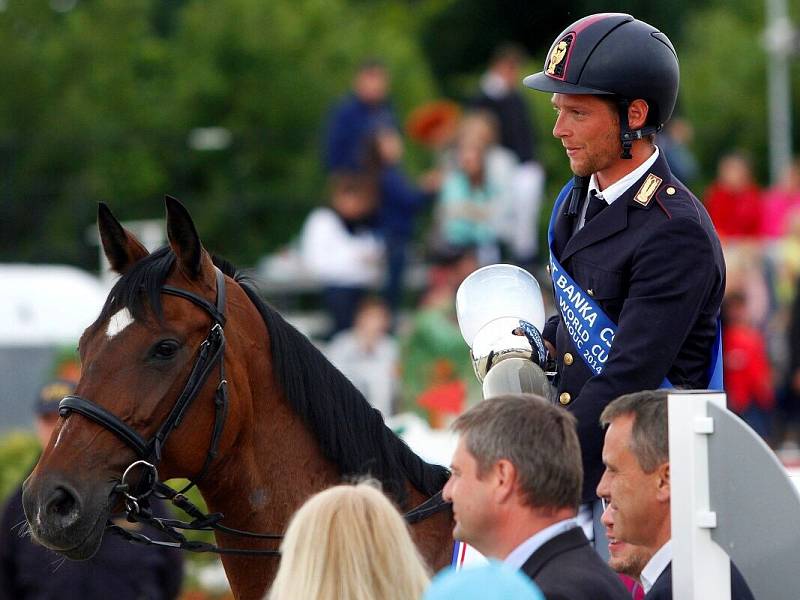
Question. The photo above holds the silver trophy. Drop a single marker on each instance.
(501, 314)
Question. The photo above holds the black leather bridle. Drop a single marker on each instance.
(211, 354)
(137, 509)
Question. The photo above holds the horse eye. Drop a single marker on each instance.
(165, 349)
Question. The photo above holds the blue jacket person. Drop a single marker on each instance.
(637, 267)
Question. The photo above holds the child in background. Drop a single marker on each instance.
(340, 248)
(748, 377)
(367, 354)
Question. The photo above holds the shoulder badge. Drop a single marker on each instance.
(647, 190)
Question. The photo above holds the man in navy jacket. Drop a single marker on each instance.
(636, 264)
(356, 116)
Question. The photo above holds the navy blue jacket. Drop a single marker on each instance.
(662, 588)
(656, 269)
(401, 200)
(350, 123)
(120, 570)
(567, 568)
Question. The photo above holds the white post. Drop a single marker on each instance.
(700, 568)
(779, 40)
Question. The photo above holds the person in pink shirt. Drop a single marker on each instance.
(780, 202)
(734, 199)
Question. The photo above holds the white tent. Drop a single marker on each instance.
(43, 305)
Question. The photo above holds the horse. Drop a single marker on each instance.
(278, 424)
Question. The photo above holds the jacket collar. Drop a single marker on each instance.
(569, 540)
(614, 218)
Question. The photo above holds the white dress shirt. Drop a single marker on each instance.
(655, 566)
(619, 187)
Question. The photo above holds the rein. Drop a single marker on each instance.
(137, 508)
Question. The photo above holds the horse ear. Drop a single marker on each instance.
(183, 238)
(121, 247)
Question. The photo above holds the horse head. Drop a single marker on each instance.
(140, 357)
(155, 366)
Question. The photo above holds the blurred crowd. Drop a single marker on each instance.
(481, 198)
(760, 232)
(482, 201)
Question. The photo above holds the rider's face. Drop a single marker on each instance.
(588, 128)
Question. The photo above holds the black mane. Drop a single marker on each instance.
(351, 433)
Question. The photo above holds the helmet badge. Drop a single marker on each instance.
(557, 64)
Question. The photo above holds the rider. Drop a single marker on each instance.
(119, 570)
(637, 267)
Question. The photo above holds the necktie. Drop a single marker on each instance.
(596, 204)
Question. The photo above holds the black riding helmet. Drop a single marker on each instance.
(613, 54)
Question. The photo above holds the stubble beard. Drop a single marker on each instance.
(597, 161)
(630, 563)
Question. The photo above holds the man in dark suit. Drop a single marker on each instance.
(636, 485)
(515, 488)
(637, 267)
(120, 570)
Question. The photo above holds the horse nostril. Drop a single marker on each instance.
(62, 506)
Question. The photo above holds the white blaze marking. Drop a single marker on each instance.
(118, 321)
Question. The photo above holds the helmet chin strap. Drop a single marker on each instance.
(627, 135)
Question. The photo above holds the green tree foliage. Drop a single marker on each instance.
(106, 95)
(18, 454)
(100, 101)
(723, 85)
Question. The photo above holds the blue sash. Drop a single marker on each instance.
(591, 330)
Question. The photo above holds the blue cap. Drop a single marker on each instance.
(51, 394)
(492, 581)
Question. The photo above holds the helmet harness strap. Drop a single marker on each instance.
(627, 136)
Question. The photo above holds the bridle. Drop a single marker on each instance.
(137, 509)
(210, 355)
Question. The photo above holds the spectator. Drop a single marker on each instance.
(499, 95)
(626, 559)
(119, 570)
(340, 248)
(636, 486)
(734, 200)
(781, 202)
(748, 377)
(368, 355)
(494, 581)
(515, 488)
(399, 202)
(356, 115)
(790, 404)
(475, 197)
(674, 143)
(349, 542)
(437, 373)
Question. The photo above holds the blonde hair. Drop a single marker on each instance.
(349, 542)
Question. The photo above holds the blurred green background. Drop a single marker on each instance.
(100, 99)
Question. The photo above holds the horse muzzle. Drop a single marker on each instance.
(62, 518)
